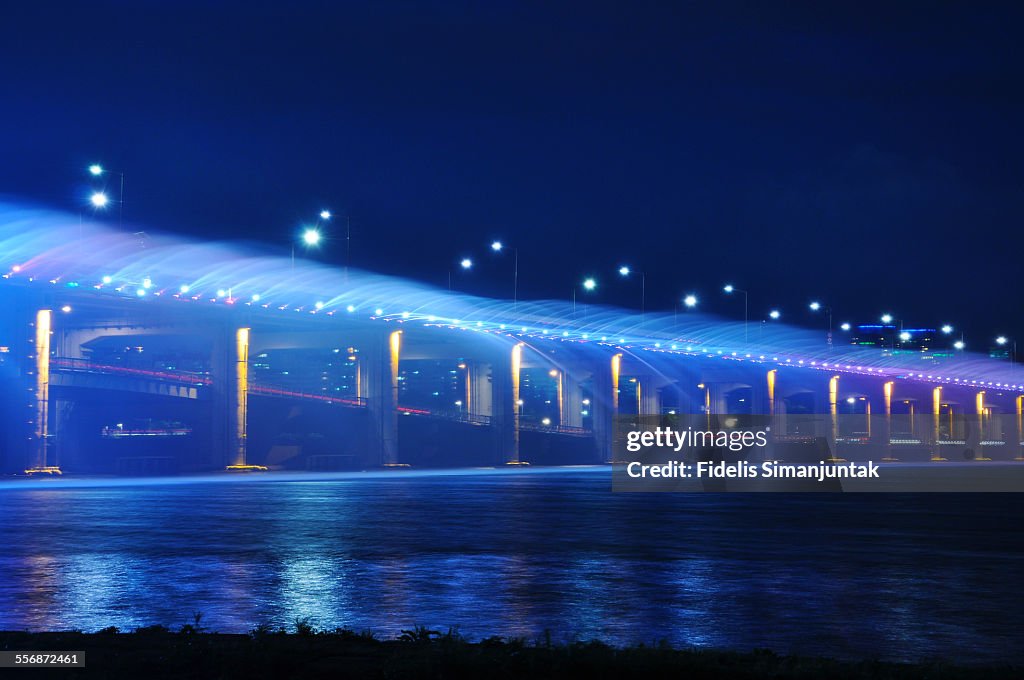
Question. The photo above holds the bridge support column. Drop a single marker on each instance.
(885, 431)
(229, 365)
(649, 399)
(605, 406)
(504, 418)
(1017, 430)
(714, 398)
(479, 389)
(571, 404)
(240, 399)
(833, 410)
(381, 384)
(39, 456)
(983, 422)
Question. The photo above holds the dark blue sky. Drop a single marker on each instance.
(868, 155)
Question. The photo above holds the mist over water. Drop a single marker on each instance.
(515, 553)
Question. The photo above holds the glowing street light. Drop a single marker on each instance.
(99, 198)
(497, 246)
(325, 214)
(887, 318)
(959, 344)
(947, 329)
(774, 314)
(904, 336)
(816, 306)
(589, 284)
(1002, 341)
(844, 326)
(466, 263)
(690, 300)
(624, 272)
(311, 237)
(729, 290)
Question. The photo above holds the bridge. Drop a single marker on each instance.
(123, 352)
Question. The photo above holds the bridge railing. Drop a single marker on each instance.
(86, 366)
(557, 429)
(455, 416)
(273, 391)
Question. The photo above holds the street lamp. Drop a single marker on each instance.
(816, 306)
(844, 326)
(690, 300)
(465, 264)
(1002, 341)
(624, 272)
(959, 345)
(947, 329)
(729, 290)
(310, 237)
(774, 314)
(97, 170)
(590, 285)
(497, 246)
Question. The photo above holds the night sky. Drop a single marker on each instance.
(870, 156)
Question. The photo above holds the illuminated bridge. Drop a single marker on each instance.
(122, 352)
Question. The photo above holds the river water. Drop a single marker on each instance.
(518, 552)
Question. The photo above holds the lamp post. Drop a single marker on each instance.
(310, 237)
(816, 306)
(497, 247)
(99, 198)
(729, 290)
(589, 285)
(1002, 341)
(886, 320)
(625, 272)
(465, 264)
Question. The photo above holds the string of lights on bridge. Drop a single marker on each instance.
(311, 237)
(227, 296)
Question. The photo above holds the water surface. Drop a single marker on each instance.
(518, 552)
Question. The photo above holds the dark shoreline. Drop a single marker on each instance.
(157, 652)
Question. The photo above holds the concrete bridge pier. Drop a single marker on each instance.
(604, 405)
(882, 437)
(379, 379)
(571, 401)
(505, 405)
(1017, 428)
(229, 369)
(648, 395)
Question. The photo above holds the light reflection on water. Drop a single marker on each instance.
(904, 577)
